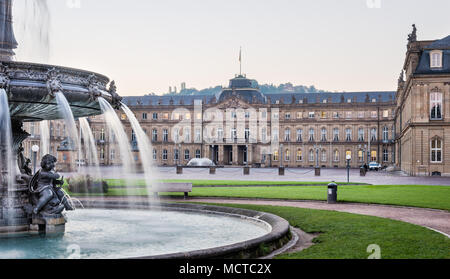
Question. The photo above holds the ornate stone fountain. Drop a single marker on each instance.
(31, 90)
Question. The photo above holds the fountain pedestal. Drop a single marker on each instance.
(48, 225)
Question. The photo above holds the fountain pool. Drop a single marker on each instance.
(113, 234)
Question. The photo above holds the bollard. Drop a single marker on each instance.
(332, 193)
(281, 171)
(362, 171)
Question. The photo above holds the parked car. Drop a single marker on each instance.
(374, 166)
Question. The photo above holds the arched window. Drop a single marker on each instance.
(360, 155)
(311, 155)
(436, 106)
(311, 134)
(373, 156)
(348, 134)
(287, 135)
(275, 155)
(336, 155)
(287, 156)
(361, 134)
(324, 134)
(299, 155)
(198, 154)
(436, 150)
(385, 133)
(154, 135)
(187, 156)
(324, 155)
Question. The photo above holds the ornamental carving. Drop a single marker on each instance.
(116, 100)
(54, 84)
(4, 79)
(94, 88)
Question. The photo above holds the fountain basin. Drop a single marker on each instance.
(31, 88)
(107, 229)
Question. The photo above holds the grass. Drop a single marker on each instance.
(347, 236)
(437, 197)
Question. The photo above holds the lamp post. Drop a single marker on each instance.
(349, 157)
(35, 149)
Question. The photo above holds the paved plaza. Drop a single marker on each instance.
(271, 174)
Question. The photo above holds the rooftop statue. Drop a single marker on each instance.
(413, 36)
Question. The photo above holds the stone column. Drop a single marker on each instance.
(235, 155)
(220, 159)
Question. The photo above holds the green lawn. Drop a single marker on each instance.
(347, 236)
(437, 197)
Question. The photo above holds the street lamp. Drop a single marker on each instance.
(35, 149)
(349, 157)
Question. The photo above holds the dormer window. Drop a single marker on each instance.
(436, 59)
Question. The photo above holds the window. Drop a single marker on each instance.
(164, 155)
(335, 114)
(247, 133)
(133, 136)
(299, 115)
(324, 134)
(275, 155)
(373, 156)
(348, 134)
(311, 134)
(275, 135)
(102, 134)
(385, 155)
(233, 114)
(220, 133)
(336, 156)
(324, 155)
(198, 135)
(123, 116)
(176, 135)
(323, 114)
(187, 134)
(349, 100)
(155, 154)
(287, 156)
(264, 135)
(287, 135)
(188, 116)
(436, 106)
(360, 156)
(247, 114)
(102, 153)
(348, 114)
(386, 113)
(436, 151)
(360, 114)
(166, 116)
(155, 135)
(336, 134)
(198, 116)
(312, 115)
(187, 156)
(287, 116)
(373, 134)
(165, 135)
(299, 135)
(361, 134)
(385, 133)
(299, 155)
(436, 59)
(233, 133)
(144, 116)
(275, 115)
(198, 154)
(176, 116)
(311, 155)
(155, 116)
(176, 154)
(112, 154)
(374, 114)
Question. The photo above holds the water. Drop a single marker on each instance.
(90, 147)
(7, 160)
(66, 113)
(45, 138)
(113, 234)
(32, 28)
(145, 148)
(118, 133)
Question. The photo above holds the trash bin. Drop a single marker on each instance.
(332, 193)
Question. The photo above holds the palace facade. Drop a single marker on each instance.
(407, 129)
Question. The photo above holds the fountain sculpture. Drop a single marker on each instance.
(31, 93)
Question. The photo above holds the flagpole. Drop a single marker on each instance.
(240, 61)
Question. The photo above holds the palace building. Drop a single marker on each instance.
(407, 129)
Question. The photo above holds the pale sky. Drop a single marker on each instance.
(148, 45)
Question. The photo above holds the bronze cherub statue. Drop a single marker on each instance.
(47, 197)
